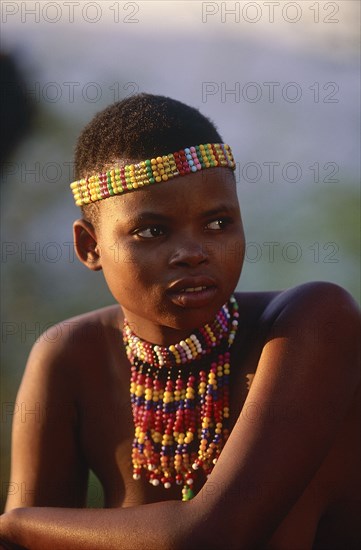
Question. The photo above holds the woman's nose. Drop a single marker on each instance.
(190, 253)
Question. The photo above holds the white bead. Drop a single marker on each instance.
(190, 481)
(167, 485)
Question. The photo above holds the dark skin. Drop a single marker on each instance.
(287, 477)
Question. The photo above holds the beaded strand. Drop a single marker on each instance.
(122, 179)
(180, 401)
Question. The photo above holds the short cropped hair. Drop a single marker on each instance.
(137, 128)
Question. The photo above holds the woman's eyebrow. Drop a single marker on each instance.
(223, 208)
(154, 216)
(149, 215)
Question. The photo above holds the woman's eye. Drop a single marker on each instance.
(217, 224)
(150, 232)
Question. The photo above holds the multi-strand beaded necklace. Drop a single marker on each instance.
(180, 401)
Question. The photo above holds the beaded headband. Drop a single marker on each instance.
(128, 178)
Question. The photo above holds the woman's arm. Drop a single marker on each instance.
(45, 427)
(150, 526)
(303, 387)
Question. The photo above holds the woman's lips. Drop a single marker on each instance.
(193, 292)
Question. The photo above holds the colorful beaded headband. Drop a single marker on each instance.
(120, 180)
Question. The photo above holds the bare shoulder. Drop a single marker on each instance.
(68, 349)
(75, 339)
(321, 294)
(315, 308)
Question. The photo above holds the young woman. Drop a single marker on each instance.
(239, 430)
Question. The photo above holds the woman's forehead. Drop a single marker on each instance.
(201, 190)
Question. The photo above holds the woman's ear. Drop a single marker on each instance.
(86, 246)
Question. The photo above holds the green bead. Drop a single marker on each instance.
(187, 493)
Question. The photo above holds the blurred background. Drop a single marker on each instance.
(281, 80)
